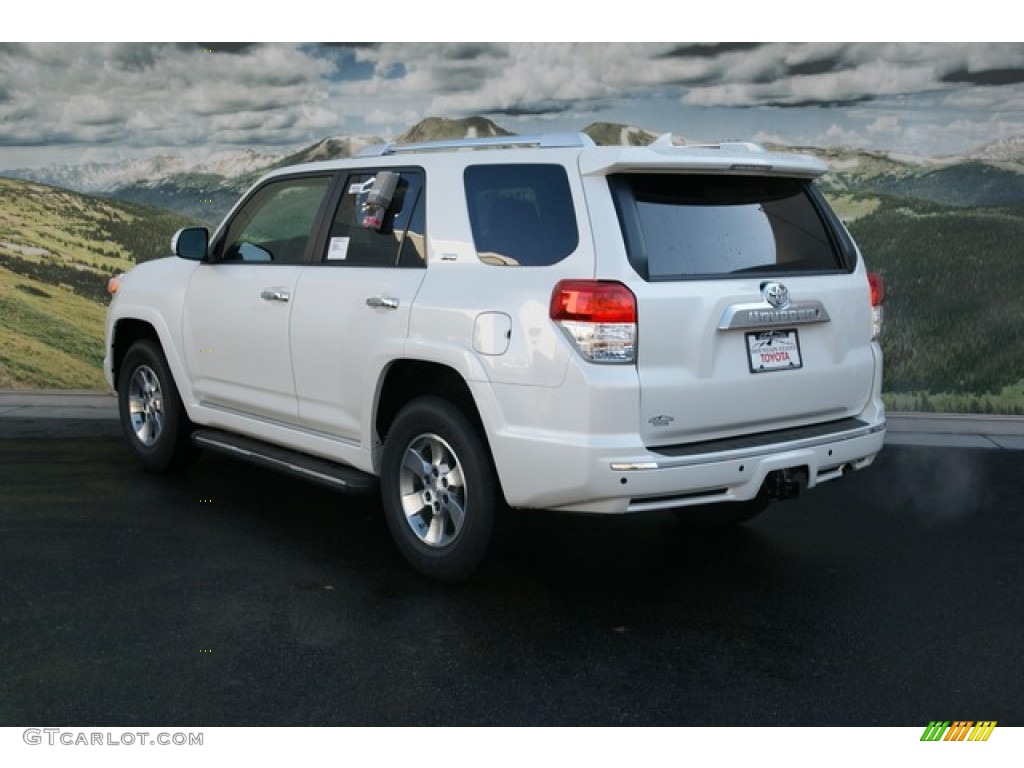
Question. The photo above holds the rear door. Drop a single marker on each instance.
(351, 314)
(753, 311)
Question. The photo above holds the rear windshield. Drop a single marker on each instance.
(680, 226)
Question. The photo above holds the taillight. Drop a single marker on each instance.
(877, 286)
(598, 317)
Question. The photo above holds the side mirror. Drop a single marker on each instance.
(191, 243)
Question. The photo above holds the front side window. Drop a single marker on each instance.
(678, 226)
(521, 215)
(275, 224)
(389, 235)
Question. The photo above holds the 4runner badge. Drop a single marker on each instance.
(660, 421)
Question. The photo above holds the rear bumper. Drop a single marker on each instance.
(591, 478)
(735, 470)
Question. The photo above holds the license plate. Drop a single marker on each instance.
(773, 351)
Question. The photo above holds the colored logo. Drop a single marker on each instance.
(958, 730)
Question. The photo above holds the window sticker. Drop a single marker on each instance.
(338, 249)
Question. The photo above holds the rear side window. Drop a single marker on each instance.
(680, 226)
(521, 215)
(395, 240)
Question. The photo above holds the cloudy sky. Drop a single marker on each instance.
(71, 103)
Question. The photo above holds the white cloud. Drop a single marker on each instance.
(843, 137)
(127, 96)
(156, 94)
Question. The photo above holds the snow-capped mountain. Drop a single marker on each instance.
(441, 128)
(616, 133)
(107, 178)
(205, 187)
(1004, 150)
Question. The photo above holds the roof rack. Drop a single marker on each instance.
(546, 140)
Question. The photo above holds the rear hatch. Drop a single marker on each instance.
(753, 312)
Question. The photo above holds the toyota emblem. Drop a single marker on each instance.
(775, 294)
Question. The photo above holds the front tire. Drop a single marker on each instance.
(439, 489)
(152, 416)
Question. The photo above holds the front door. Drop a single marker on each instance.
(238, 305)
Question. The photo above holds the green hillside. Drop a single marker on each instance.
(199, 198)
(954, 317)
(963, 185)
(57, 251)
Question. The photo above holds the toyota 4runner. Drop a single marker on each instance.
(520, 322)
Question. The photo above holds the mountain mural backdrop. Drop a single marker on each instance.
(943, 232)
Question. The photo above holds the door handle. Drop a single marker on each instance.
(275, 294)
(382, 302)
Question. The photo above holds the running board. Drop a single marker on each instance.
(336, 476)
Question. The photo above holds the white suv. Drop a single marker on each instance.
(520, 322)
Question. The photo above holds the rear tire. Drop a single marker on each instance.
(439, 490)
(152, 416)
